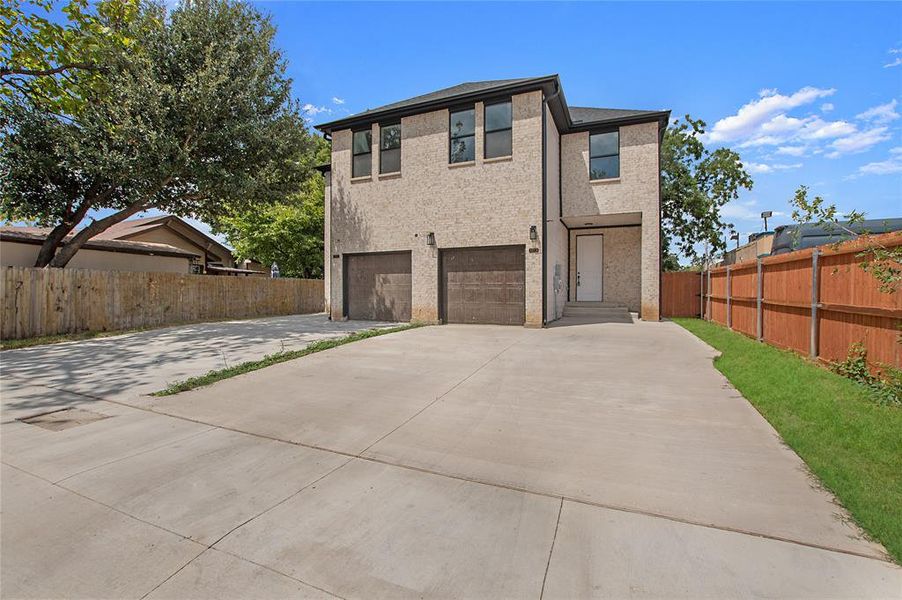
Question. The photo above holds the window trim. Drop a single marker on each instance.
(451, 138)
(589, 140)
(354, 154)
(485, 126)
(382, 127)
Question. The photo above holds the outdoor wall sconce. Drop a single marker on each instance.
(430, 239)
(533, 234)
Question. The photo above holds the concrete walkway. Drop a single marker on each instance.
(592, 460)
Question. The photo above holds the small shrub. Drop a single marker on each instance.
(885, 386)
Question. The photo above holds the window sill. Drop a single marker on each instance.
(497, 159)
(469, 163)
(604, 181)
(361, 179)
(392, 175)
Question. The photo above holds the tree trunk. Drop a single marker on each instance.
(59, 233)
(68, 250)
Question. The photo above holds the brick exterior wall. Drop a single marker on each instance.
(636, 190)
(487, 203)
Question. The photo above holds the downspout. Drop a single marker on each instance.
(545, 206)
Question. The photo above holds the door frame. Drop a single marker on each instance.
(576, 290)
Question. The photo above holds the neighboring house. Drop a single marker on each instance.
(759, 245)
(492, 202)
(173, 231)
(19, 247)
(788, 238)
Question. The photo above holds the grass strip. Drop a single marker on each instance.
(45, 340)
(274, 359)
(853, 444)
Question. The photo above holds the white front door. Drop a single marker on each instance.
(589, 267)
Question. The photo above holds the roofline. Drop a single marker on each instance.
(98, 245)
(419, 107)
(549, 84)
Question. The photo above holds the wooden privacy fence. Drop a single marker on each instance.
(38, 302)
(681, 294)
(817, 301)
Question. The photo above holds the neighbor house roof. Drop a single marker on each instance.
(567, 119)
(37, 235)
(126, 229)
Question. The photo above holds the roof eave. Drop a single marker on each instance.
(546, 83)
(662, 117)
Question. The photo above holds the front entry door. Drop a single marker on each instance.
(589, 267)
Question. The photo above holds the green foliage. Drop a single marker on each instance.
(850, 442)
(695, 184)
(273, 359)
(883, 262)
(197, 120)
(289, 233)
(59, 66)
(885, 387)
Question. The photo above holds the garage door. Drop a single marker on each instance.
(484, 285)
(378, 286)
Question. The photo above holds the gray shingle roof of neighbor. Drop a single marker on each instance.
(568, 119)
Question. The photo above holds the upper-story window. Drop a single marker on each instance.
(463, 136)
(363, 153)
(390, 148)
(498, 122)
(604, 155)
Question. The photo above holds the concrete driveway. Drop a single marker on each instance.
(593, 460)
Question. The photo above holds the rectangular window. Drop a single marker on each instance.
(498, 121)
(363, 153)
(463, 136)
(390, 148)
(604, 155)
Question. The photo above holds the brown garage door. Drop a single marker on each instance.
(378, 286)
(484, 285)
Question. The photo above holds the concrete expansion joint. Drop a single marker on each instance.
(557, 526)
(361, 456)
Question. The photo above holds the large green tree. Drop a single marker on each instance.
(288, 233)
(695, 184)
(197, 120)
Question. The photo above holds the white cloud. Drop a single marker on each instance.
(765, 168)
(858, 142)
(883, 113)
(889, 166)
(740, 209)
(337, 100)
(749, 119)
(826, 107)
(312, 110)
(792, 150)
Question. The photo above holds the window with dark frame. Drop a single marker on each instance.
(462, 133)
(390, 148)
(604, 155)
(498, 126)
(362, 150)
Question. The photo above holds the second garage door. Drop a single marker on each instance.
(484, 285)
(378, 286)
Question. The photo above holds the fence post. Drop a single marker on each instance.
(759, 320)
(708, 297)
(813, 350)
(701, 294)
(729, 300)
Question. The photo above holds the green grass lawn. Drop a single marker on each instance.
(851, 443)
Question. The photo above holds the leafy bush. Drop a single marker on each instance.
(885, 386)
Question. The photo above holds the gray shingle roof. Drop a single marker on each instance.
(583, 114)
(448, 93)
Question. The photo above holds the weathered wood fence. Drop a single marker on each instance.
(38, 302)
(817, 301)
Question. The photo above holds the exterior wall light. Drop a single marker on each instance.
(430, 239)
(533, 234)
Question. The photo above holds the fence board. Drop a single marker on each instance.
(681, 294)
(851, 308)
(37, 302)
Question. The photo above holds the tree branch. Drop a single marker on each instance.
(7, 71)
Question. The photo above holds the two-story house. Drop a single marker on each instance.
(492, 202)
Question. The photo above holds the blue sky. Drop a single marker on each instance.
(808, 93)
